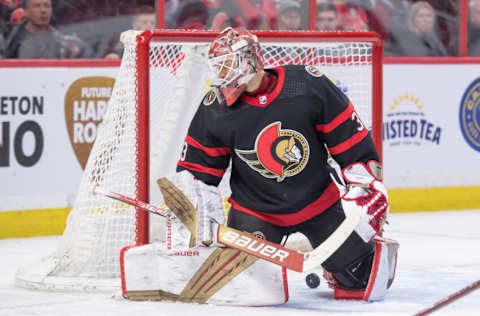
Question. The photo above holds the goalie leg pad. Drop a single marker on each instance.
(221, 276)
(383, 269)
(381, 275)
(221, 267)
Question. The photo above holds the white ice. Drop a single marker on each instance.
(439, 255)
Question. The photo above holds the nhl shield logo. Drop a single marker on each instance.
(278, 152)
(313, 70)
(209, 97)
(262, 99)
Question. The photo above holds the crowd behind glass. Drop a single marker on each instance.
(91, 28)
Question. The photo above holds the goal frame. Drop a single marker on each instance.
(143, 93)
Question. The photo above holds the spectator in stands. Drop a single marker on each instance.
(2, 46)
(251, 14)
(289, 15)
(381, 14)
(474, 29)
(327, 17)
(350, 16)
(447, 23)
(36, 38)
(190, 15)
(420, 37)
(78, 11)
(10, 14)
(144, 19)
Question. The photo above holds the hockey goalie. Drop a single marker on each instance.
(276, 128)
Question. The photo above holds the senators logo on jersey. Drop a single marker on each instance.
(278, 152)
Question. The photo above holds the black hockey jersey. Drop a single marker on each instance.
(276, 143)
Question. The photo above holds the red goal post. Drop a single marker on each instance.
(161, 81)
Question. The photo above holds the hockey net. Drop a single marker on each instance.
(162, 79)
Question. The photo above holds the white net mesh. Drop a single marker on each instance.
(97, 227)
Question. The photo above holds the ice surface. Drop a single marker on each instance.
(439, 255)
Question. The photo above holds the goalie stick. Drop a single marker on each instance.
(257, 247)
(447, 300)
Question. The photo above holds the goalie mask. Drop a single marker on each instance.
(234, 58)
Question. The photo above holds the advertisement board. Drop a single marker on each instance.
(49, 117)
(48, 122)
(431, 119)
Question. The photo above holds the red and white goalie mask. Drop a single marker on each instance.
(234, 58)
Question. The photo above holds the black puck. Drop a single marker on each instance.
(313, 281)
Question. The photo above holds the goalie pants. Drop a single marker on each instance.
(350, 264)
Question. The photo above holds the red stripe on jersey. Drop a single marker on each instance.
(342, 117)
(196, 167)
(349, 143)
(269, 96)
(210, 151)
(327, 199)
